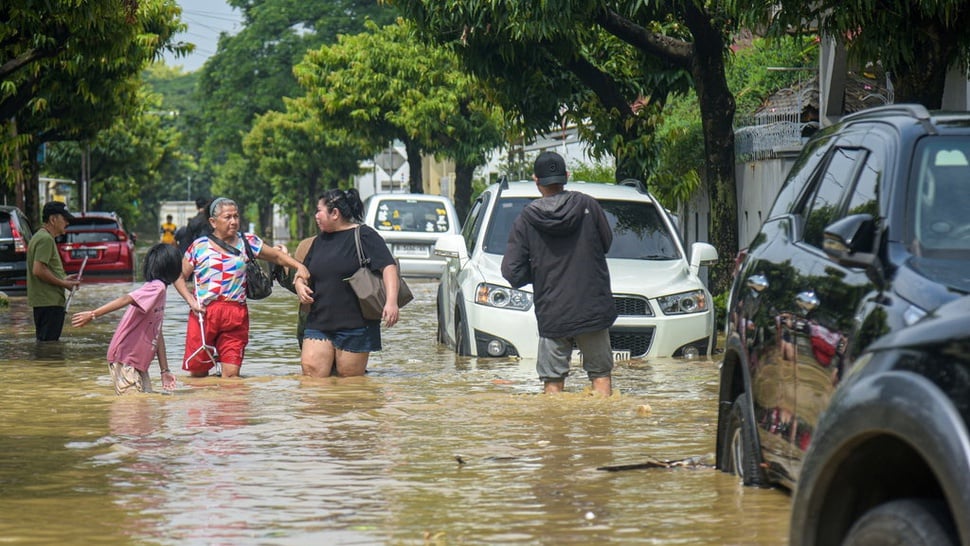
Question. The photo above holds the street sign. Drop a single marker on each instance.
(390, 160)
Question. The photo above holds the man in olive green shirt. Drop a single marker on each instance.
(46, 280)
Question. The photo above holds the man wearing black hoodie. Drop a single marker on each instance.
(559, 244)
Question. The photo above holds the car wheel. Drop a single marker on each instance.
(905, 521)
(462, 343)
(739, 449)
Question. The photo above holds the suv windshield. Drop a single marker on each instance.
(639, 232)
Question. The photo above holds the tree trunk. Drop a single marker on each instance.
(416, 184)
(266, 221)
(30, 174)
(305, 212)
(463, 188)
(717, 117)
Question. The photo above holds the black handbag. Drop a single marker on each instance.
(259, 285)
(369, 286)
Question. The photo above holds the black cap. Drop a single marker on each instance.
(550, 168)
(56, 207)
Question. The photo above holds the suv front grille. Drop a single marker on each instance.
(632, 306)
(637, 342)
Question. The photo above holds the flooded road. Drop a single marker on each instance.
(278, 459)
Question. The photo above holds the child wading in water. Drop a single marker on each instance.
(138, 339)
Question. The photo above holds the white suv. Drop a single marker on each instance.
(664, 308)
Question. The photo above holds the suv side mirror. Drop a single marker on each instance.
(451, 246)
(701, 254)
(851, 242)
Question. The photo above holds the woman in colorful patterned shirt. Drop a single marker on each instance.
(220, 291)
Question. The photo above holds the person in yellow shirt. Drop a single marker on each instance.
(168, 231)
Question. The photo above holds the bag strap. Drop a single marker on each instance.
(225, 245)
(249, 250)
(233, 250)
(364, 261)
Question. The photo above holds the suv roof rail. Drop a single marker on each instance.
(917, 111)
(633, 183)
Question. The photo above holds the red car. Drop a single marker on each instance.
(101, 237)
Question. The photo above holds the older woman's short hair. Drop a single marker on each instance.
(219, 203)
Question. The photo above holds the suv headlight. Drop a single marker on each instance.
(494, 295)
(684, 303)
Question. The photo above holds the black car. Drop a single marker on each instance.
(890, 460)
(869, 233)
(15, 233)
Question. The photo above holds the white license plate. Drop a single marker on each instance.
(621, 355)
(618, 356)
(411, 251)
(84, 253)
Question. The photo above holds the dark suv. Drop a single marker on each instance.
(890, 459)
(15, 233)
(869, 233)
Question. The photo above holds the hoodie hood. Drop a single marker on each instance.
(558, 214)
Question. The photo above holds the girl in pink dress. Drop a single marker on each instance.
(138, 338)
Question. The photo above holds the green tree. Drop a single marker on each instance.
(629, 53)
(178, 110)
(69, 71)
(128, 162)
(384, 84)
(916, 41)
(299, 159)
(253, 70)
(751, 80)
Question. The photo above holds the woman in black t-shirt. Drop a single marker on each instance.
(338, 339)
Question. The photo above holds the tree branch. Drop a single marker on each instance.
(677, 52)
(10, 106)
(601, 84)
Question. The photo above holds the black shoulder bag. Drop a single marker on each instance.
(258, 284)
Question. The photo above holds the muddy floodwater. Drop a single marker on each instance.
(429, 448)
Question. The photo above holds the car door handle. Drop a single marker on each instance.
(807, 300)
(757, 282)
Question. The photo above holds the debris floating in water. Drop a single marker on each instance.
(689, 462)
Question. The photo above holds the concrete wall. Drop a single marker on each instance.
(758, 182)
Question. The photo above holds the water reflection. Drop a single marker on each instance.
(276, 458)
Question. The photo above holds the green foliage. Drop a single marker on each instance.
(749, 76)
(70, 70)
(767, 65)
(384, 84)
(252, 72)
(551, 63)
(596, 171)
(720, 306)
(916, 42)
(299, 160)
(127, 163)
